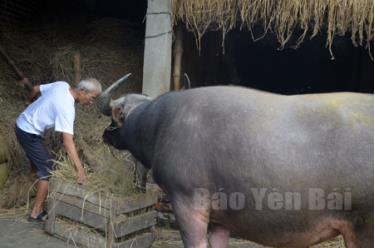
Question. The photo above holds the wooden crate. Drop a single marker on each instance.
(97, 221)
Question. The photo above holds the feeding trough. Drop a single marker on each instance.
(99, 219)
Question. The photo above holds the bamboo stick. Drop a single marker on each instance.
(77, 67)
(177, 54)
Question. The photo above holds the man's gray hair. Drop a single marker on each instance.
(89, 85)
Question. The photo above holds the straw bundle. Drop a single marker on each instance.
(336, 17)
(337, 242)
(113, 178)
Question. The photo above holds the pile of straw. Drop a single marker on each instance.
(109, 48)
(17, 187)
(337, 242)
(335, 17)
(113, 178)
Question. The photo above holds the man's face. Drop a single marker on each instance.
(87, 98)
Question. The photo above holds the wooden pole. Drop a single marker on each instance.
(178, 51)
(12, 63)
(77, 67)
(158, 48)
(24, 81)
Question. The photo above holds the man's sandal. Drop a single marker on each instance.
(39, 217)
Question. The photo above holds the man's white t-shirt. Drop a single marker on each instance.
(54, 108)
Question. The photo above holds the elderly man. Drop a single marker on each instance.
(53, 109)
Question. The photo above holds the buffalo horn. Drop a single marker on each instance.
(103, 101)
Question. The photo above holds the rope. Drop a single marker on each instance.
(159, 13)
(157, 35)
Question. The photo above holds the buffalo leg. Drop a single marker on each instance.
(365, 235)
(346, 229)
(192, 222)
(219, 237)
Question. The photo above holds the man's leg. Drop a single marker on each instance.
(41, 160)
(41, 194)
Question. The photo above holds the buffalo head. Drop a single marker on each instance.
(119, 109)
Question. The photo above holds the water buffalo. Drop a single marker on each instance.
(283, 171)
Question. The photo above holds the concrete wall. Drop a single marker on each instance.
(158, 48)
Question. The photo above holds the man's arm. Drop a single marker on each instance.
(35, 91)
(72, 153)
(34, 94)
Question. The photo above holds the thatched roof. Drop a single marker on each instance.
(282, 17)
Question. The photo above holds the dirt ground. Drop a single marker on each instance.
(16, 231)
(20, 233)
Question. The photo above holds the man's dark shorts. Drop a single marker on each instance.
(36, 152)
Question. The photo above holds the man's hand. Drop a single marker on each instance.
(72, 153)
(81, 176)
